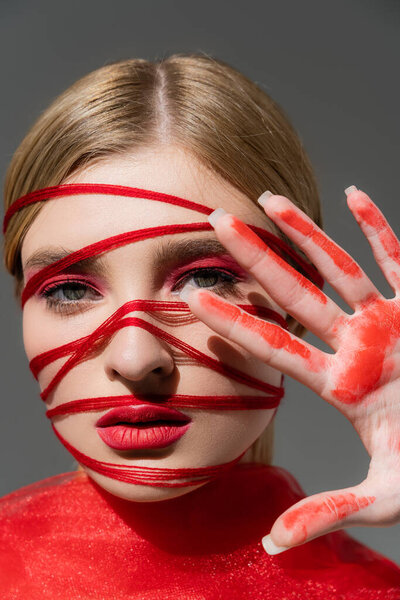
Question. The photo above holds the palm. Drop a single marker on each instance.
(361, 377)
(365, 358)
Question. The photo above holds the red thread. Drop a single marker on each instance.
(174, 400)
(102, 246)
(42, 360)
(79, 350)
(149, 475)
(104, 331)
(75, 189)
(58, 191)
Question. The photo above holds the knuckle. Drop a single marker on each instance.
(331, 507)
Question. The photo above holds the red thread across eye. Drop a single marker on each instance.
(81, 349)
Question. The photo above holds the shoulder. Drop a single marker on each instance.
(27, 517)
(36, 499)
(38, 488)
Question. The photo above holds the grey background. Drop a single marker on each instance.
(334, 68)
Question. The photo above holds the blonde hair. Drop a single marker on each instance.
(195, 101)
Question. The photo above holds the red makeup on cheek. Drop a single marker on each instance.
(252, 239)
(339, 257)
(318, 514)
(272, 334)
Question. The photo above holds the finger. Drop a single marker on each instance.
(296, 294)
(264, 340)
(385, 245)
(334, 264)
(317, 515)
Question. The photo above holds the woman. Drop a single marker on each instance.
(169, 411)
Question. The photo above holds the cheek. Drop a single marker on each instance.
(37, 335)
(236, 356)
(41, 333)
(262, 371)
(249, 424)
(219, 436)
(232, 430)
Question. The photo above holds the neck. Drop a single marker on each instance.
(236, 509)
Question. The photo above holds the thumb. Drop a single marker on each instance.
(318, 515)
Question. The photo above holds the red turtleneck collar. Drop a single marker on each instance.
(66, 538)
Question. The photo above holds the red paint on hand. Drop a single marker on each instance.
(373, 217)
(395, 278)
(253, 240)
(339, 256)
(247, 234)
(318, 515)
(275, 336)
(373, 334)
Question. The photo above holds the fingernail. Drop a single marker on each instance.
(215, 215)
(350, 189)
(270, 547)
(263, 199)
(185, 292)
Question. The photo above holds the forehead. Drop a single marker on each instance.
(80, 220)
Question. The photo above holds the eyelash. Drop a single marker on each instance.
(66, 306)
(224, 289)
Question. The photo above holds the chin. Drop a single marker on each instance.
(138, 493)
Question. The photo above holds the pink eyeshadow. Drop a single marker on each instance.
(219, 261)
(60, 279)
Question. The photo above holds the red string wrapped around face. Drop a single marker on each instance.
(81, 349)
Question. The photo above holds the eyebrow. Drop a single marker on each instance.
(187, 249)
(166, 253)
(48, 256)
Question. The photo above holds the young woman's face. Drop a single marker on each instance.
(134, 361)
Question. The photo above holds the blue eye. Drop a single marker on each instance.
(71, 296)
(220, 281)
(67, 292)
(67, 295)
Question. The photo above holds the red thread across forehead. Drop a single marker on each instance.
(83, 348)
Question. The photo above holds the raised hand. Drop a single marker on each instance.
(362, 377)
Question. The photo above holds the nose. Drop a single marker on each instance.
(137, 355)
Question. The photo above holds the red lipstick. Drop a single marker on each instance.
(142, 426)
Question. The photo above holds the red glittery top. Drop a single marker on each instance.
(66, 538)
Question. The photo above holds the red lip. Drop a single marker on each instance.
(143, 426)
